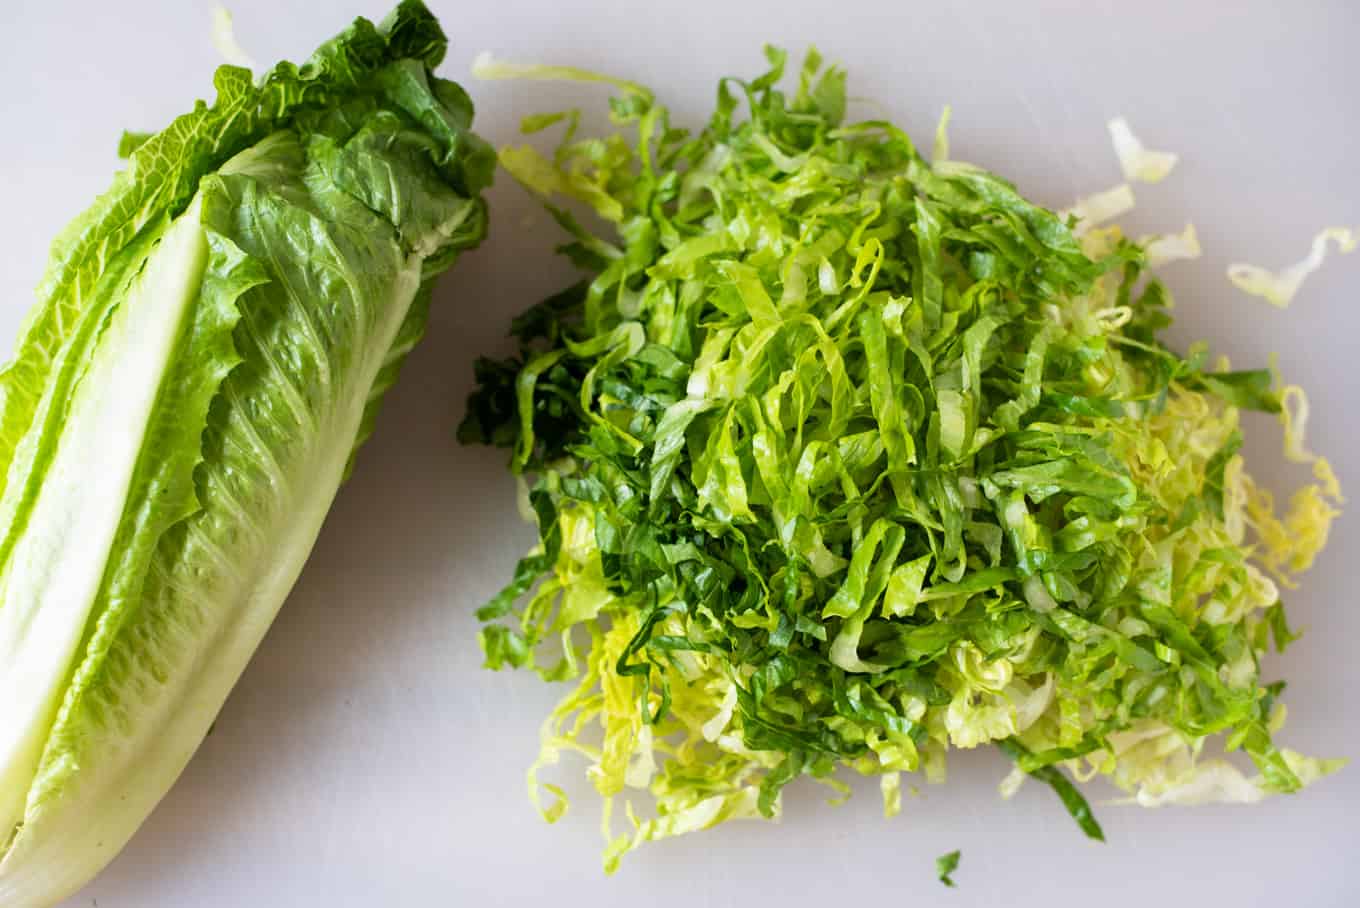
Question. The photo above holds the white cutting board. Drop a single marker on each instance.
(365, 759)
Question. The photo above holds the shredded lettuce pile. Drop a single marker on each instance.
(842, 459)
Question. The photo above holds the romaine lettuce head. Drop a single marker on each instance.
(210, 344)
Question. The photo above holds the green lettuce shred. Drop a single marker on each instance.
(945, 865)
(842, 459)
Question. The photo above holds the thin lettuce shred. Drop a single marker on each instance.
(1280, 287)
(842, 459)
(945, 865)
(224, 40)
(1096, 209)
(940, 152)
(1171, 247)
(1138, 163)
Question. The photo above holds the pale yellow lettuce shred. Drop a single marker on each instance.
(1171, 247)
(1160, 766)
(1138, 163)
(1094, 210)
(1289, 543)
(224, 40)
(890, 785)
(486, 67)
(1279, 287)
(940, 151)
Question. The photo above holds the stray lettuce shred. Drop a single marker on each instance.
(1137, 162)
(1171, 247)
(945, 865)
(1280, 287)
(224, 40)
(842, 459)
(1098, 208)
